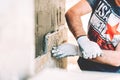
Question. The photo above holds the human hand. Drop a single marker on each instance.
(89, 48)
(65, 50)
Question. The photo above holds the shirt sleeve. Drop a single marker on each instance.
(93, 3)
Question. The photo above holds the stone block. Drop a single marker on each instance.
(44, 19)
(62, 11)
(36, 2)
(52, 39)
(45, 5)
(56, 38)
(54, 17)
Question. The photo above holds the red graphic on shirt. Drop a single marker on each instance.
(93, 35)
(112, 30)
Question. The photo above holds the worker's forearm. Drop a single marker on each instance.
(109, 57)
(75, 24)
(73, 17)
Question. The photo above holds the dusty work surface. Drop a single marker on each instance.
(58, 74)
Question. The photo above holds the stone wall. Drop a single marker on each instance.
(50, 31)
(49, 16)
